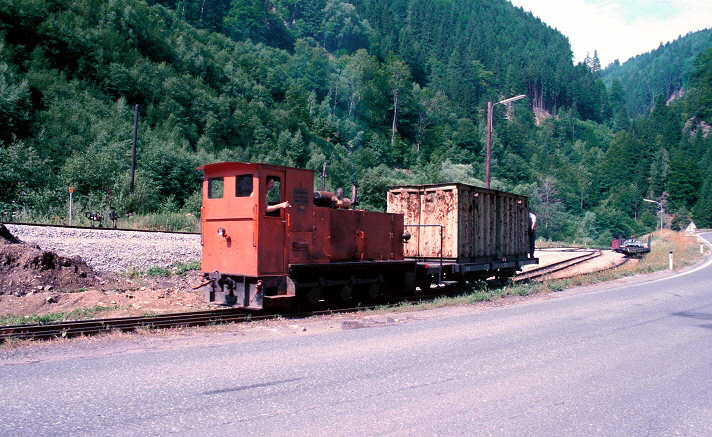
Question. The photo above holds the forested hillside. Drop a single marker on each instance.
(665, 70)
(385, 92)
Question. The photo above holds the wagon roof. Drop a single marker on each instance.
(459, 186)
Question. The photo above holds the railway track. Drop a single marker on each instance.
(77, 328)
(70, 329)
(542, 272)
(166, 321)
(124, 324)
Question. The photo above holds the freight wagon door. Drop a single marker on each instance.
(272, 224)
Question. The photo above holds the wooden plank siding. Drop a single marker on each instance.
(477, 224)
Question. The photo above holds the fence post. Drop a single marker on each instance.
(71, 191)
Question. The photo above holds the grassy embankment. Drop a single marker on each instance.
(686, 252)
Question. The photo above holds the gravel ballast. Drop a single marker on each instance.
(108, 250)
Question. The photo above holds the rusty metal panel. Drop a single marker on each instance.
(431, 216)
(343, 244)
(439, 206)
(381, 235)
(232, 250)
(228, 231)
(463, 222)
(364, 235)
(321, 226)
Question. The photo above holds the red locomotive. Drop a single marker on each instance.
(261, 251)
(269, 239)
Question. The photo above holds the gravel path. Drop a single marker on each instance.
(108, 250)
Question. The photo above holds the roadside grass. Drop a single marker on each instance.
(46, 319)
(685, 249)
(178, 268)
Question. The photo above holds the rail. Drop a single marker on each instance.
(95, 326)
(76, 328)
(556, 267)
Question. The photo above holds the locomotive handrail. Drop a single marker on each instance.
(441, 246)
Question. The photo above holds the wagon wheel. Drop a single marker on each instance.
(373, 290)
(504, 276)
(422, 281)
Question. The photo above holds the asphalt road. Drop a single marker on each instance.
(633, 360)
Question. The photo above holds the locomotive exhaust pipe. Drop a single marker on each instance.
(330, 200)
(354, 189)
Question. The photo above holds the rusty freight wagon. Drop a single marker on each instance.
(461, 232)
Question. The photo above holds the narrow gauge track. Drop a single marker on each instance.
(201, 318)
(176, 320)
(95, 326)
(103, 228)
(543, 271)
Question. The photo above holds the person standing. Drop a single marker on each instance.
(532, 233)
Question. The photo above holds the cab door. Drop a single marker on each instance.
(272, 225)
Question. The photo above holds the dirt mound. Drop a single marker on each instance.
(36, 281)
(26, 267)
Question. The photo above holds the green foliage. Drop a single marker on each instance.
(666, 70)
(158, 271)
(702, 211)
(18, 175)
(182, 268)
(386, 93)
(701, 84)
(374, 186)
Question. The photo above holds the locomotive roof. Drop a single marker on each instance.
(218, 166)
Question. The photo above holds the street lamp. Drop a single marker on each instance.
(489, 133)
(662, 212)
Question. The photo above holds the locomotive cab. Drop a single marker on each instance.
(243, 232)
(268, 238)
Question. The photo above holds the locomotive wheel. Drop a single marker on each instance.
(345, 293)
(374, 290)
(313, 295)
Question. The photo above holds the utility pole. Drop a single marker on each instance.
(133, 150)
(662, 212)
(490, 106)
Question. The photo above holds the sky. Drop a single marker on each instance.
(620, 29)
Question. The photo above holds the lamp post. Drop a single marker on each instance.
(662, 213)
(490, 105)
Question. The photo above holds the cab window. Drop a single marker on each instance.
(216, 188)
(243, 185)
(273, 190)
(274, 195)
